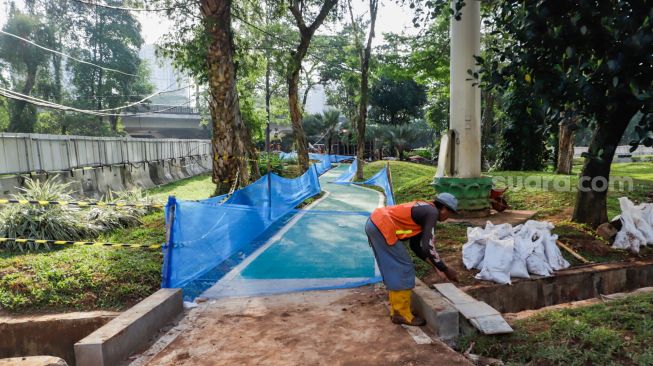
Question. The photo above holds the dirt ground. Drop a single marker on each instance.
(342, 327)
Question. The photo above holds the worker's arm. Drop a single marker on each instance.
(429, 256)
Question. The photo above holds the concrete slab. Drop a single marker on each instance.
(476, 310)
(441, 317)
(117, 339)
(491, 324)
(453, 293)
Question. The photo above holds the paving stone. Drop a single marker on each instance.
(453, 293)
(476, 310)
(491, 324)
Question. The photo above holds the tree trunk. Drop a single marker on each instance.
(365, 67)
(566, 135)
(294, 67)
(19, 122)
(230, 150)
(591, 198)
(486, 124)
(296, 116)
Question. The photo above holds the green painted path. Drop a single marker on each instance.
(322, 247)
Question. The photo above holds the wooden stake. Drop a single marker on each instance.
(392, 189)
(572, 252)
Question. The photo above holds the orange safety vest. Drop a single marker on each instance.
(396, 222)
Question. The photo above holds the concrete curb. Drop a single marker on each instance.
(120, 337)
(441, 317)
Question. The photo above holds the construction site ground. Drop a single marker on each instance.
(338, 327)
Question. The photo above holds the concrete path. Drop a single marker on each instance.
(320, 248)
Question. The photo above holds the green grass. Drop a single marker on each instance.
(195, 188)
(77, 278)
(618, 332)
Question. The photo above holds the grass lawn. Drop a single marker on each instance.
(618, 332)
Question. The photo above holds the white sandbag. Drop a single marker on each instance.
(553, 255)
(634, 232)
(536, 264)
(523, 249)
(647, 212)
(497, 261)
(473, 254)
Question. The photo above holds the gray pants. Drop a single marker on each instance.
(395, 264)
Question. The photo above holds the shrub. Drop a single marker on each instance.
(60, 222)
(42, 222)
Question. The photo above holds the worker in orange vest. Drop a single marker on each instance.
(414, 221)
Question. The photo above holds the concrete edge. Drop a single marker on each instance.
(441, 317)
(120, 337)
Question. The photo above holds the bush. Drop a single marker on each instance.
(60, 222)
(276, 164)
(423, 152)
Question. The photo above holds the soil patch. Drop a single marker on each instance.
(344, 327)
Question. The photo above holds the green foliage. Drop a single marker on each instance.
(396, 101)
(579, 59)
(42, 222)
(25, 62)
(55, 222)
(617, 332)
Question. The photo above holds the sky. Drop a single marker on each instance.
(391, 18)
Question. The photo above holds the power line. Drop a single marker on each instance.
(113, 7)
(46, 104)
(65, 55)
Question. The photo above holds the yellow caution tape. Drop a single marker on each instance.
(71, 242)
(78, 203)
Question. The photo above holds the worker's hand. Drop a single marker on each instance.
(451, 274)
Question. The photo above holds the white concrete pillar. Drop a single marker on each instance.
(465, 103)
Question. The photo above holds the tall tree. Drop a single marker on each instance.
(230, 134)
(110, 38)
(298, 9)
(589, 58)
(25, 61)
(364, 55)
(396, 100)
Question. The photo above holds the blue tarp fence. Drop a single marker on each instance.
(208, 238)
(380, 179)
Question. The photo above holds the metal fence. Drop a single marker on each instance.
(622, 150)
(24, 153)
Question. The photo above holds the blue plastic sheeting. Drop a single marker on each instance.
(347, 176)
(322, 247)
(207, 238)
(379, 179)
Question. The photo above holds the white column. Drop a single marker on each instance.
(465, 103)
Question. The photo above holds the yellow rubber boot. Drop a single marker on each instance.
(400, 308)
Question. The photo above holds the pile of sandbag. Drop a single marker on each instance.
(636, 226)
(503, 251)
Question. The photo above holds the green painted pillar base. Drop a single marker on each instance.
(472, 193)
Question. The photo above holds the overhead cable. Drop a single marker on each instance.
(46, 104)
(106, 6)
(65, 55)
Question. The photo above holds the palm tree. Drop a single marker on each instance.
(402, 136)
(330, 125)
